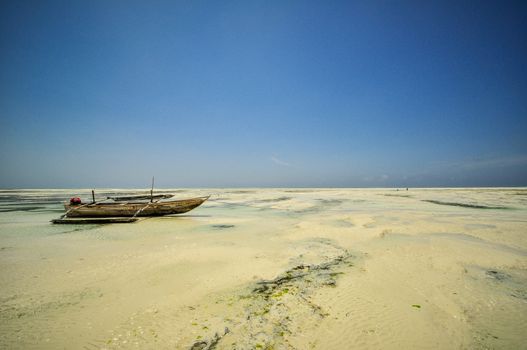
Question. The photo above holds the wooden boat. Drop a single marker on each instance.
(132, 209)
(125, 208)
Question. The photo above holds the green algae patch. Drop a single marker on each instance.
(464, 205)
(280, 293)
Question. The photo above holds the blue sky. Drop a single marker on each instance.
(254, 93)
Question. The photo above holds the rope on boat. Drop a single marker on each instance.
(143, 208)
(146, 206)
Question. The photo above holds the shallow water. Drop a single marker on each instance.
(344, 268)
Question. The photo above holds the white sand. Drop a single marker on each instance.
(412, 274)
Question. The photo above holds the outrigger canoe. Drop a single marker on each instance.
(134, 208)
(122, 211)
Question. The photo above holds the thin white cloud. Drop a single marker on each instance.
(279, 161)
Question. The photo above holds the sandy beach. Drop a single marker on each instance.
(270, 269)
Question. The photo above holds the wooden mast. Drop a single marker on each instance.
(152, 191)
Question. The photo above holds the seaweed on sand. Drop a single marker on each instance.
(300, 191)
(274, 308)
(464, 205)
(222, 226)
(271, 200)
(241, 191)
(209, 344)
(267, 288)
(497, 275)
(323, 204)
(397, 195)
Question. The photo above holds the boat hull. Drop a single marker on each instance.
(130, 209)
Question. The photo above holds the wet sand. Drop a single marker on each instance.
(271, 269)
